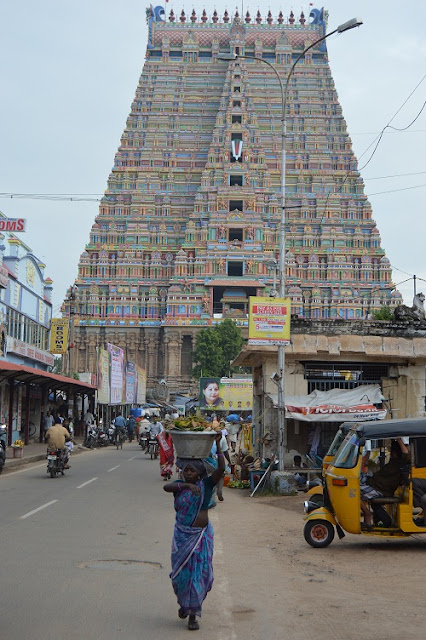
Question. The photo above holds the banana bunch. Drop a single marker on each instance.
(191, 423)
(18, 443)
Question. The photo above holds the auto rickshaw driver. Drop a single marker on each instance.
(384, 482)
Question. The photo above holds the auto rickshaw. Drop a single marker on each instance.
(315, 493)
(342, 501)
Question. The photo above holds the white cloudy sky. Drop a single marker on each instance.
(70, 70)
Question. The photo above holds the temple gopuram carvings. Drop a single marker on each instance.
(188, 227)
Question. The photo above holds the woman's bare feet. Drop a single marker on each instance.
(193, 624)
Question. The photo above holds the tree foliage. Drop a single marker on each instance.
(384, 313)
(215, 347)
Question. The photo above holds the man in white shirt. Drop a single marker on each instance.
(155, 428)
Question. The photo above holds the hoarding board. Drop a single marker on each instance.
(130, 382)
(226, 394)
(116, 373)
(59, 335)
(12, 224)
(269, 321)
(103, 377)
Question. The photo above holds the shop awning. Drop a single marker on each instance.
(335, 405)
(53, 381)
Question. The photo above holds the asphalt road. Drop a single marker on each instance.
(87, 555)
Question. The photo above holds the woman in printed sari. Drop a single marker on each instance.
(192, 546)
(167, 454)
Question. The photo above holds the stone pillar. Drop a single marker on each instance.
(92, 355)
(151, 348)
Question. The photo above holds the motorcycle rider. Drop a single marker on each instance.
(155, 428)
(57, 436)
(119, 424)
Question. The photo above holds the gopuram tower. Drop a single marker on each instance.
(188, 227)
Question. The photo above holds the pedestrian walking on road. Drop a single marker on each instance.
(192, 547)
(167, 454)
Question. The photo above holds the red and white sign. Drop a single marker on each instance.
(28, 351)
(13, 224)
(336, 405)
(335, 413)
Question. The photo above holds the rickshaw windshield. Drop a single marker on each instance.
(334, 447)
(347, 456)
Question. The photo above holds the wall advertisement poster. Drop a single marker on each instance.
(226, 394)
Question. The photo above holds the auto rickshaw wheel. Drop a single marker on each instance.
(318, 533)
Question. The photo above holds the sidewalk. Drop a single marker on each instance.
(34, 452)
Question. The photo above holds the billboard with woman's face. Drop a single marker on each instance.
(226, 394)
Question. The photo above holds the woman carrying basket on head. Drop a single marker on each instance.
(192, 546)
(167, 454)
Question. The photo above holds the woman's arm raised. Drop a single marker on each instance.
(218, 473)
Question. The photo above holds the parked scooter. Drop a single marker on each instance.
(91, 437)
(111, 434)
(102, 439)
(55, 462)
(3, 433)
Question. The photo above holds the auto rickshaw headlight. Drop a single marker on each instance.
(309, 506)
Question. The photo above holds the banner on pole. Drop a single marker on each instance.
(269, 321)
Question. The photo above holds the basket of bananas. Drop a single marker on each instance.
(193, 437)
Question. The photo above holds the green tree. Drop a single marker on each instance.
(207, 354)
(384, 313)
(215, 347)
(231, 342)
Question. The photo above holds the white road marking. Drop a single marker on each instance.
(134, 458)
(222, 586)
(113, 468)
(80, 486)
(43, 506)
(29, 468)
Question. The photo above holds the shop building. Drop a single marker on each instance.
(336, 355)
(25, 362)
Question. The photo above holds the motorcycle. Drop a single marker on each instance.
(111, 434)
(3, 432)
(91, 438)
(143, 440)
(55, 462)
(153, 449)
(102, 439)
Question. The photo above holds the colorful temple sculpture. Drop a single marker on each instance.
(188, 227)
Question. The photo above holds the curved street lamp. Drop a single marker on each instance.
(346, 26)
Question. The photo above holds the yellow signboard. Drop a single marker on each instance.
(59, 335)
(269, 321)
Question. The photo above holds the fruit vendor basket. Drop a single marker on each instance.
(192, 444)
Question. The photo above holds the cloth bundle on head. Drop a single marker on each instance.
(195, 463)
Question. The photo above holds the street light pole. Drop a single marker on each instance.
(280, 378)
